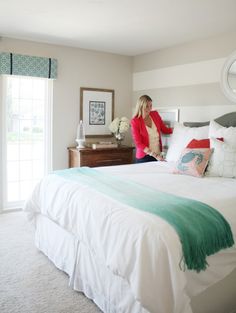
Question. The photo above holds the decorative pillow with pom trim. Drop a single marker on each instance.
(193, 162)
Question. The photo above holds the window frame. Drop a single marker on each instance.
(4, 204)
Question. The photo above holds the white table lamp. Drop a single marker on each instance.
(80, 139)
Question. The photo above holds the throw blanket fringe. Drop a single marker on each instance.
(202, 229)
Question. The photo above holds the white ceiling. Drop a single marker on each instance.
(128, 27)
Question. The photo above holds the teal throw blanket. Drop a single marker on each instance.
(202, 229)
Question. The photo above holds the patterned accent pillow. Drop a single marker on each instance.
(223, 160)
(193, 162)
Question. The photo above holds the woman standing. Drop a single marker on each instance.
(146, 127)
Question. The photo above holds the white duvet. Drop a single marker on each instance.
(138, 246)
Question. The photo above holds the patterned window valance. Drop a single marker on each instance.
(26, 65)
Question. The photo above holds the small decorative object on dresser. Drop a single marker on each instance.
(100, 156)
(80, 138)
(104, 144)
(119, 126)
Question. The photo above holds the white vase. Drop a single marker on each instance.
(119, 138)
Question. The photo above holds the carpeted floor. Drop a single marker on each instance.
(29, 282)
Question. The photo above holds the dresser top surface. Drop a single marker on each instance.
(87, 149)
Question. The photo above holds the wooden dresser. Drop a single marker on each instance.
(100, 157)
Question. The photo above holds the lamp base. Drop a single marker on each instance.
(81, 143)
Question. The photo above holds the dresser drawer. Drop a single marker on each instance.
(100, 157)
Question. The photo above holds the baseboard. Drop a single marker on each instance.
(4, 211)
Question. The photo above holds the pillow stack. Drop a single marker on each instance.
(181, 136)
(223, 160)
(209, 150)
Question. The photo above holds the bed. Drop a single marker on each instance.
(130, 260)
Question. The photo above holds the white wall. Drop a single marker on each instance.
(186, 77)
(77, 68)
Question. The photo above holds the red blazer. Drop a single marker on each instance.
(140, 134)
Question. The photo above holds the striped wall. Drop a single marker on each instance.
(179, 75)
(187, 77)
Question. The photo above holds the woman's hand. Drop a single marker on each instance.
(158, 157)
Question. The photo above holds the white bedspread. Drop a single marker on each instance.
(138, 246)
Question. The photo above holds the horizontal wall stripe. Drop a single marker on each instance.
(192, 95)
(195, 113)
(180, 75)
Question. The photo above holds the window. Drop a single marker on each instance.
(26, 141)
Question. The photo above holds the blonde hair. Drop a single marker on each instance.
(141, 105)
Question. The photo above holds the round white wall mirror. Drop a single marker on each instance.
(228, 79)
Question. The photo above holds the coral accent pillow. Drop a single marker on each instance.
(193, 162)
(202, 143)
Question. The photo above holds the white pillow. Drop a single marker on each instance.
(223, 160)
(181, 136)
(228, 133)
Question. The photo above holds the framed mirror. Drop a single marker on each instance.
(228, 79)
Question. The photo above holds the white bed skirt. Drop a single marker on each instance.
(111, 292)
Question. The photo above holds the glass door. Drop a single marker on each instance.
(26, 136)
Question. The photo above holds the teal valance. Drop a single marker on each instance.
(26, 65)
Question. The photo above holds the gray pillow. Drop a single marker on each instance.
(196, 124)
(225, 120)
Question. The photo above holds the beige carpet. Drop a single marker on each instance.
(29, 282)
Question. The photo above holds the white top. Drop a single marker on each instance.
(154, 143)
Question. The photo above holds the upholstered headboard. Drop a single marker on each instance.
(225, 120)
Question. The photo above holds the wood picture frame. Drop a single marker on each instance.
(97, 111)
